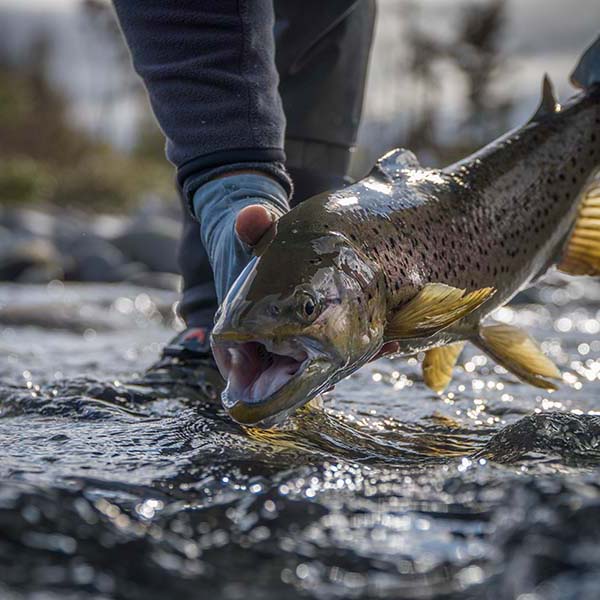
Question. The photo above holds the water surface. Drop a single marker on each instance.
(112, 486)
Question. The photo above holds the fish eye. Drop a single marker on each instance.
(307, 307)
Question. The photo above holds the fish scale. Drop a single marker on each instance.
(509, 214)
(419, 257)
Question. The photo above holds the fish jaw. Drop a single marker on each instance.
(274, 354)
(268, 379)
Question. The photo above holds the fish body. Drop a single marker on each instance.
(413, 255)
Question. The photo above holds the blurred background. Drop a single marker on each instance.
(86, 193)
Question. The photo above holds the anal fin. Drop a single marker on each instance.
(439, 364)
(434, 308)
(582, 253)
(518, 353)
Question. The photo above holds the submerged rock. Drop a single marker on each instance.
(572, 437)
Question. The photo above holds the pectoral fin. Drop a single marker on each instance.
(582, 255)
(518, 353)
(438, 366)
(434, 308)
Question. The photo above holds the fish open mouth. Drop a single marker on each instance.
(256, 370)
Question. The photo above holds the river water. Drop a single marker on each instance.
(112, 486)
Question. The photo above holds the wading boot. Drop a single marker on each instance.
(187, 367)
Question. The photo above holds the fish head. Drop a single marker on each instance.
(295, 318)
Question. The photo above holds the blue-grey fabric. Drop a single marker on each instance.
(209, 69)
(217, 204)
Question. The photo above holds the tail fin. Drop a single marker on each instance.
(587, 72)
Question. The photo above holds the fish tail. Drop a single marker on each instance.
(587, 72)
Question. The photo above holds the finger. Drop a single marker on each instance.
(252, 223)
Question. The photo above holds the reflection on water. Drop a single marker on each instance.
(112, 486)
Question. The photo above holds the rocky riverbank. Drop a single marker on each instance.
(42, 245)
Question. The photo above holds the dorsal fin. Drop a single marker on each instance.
(548, 104)
(395, 161)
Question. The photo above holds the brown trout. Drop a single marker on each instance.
(417, 256)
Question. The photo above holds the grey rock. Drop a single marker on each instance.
(7, 240)
(25, 254)
(132, 269)
(154, 205)
(41, 273)
(28, 221)
(71, 233)
(152, 242)
(95, 259)
(109, 226)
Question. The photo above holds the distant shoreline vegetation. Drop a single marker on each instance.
(44, 158)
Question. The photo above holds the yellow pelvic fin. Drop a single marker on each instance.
(438, 365)
(434, 308)
(582, 253)
(518, 353)
(316, 403)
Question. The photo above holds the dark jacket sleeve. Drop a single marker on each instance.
(209, 68)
